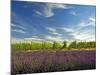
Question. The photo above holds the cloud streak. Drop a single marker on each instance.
(68, 29)
(52, 38)
(78, 33)
(49, 7)
(18, 31)
(73, 13)
(18, 26)
(36, 39)
(89, 22)
(53, 31)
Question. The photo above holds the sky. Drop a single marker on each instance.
(52, 22)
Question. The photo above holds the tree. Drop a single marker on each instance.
(73, 45)
(64, 44)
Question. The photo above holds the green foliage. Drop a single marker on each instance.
(56, 45)
(80, 45)
(44, 45)
(64, 45)
(73, 45)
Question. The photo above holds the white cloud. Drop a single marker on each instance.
(18, 31)
(68, 29)
(82, 23)
(92, 19)
(53, 31)
(36, 39)
(52, 38)
(78, 33)
(15, 40)
(54, 5)
(18, 26)
(24, 40)
(89, 22)
(73, 13)
(38, 12)
(83, 36)
(47, 12)
(13, 25)
(49, 7)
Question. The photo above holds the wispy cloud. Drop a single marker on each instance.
(38, 12)
(67, 29)
(89, 22)
(49, 7)
(53, 31)
(56, 33)
(54, 5)
(73, 13)
(52, 38)
(15, 40)
(36, 39)
(92, 19)
(78, 33)
(18, 26)
(22, 40)
(18, 31)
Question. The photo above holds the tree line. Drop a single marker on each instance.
(53, 45)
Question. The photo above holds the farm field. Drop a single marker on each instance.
(50, 61)
(37, 57)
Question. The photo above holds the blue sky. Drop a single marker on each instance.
(52, 22)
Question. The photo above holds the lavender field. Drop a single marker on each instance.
(51, 61)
